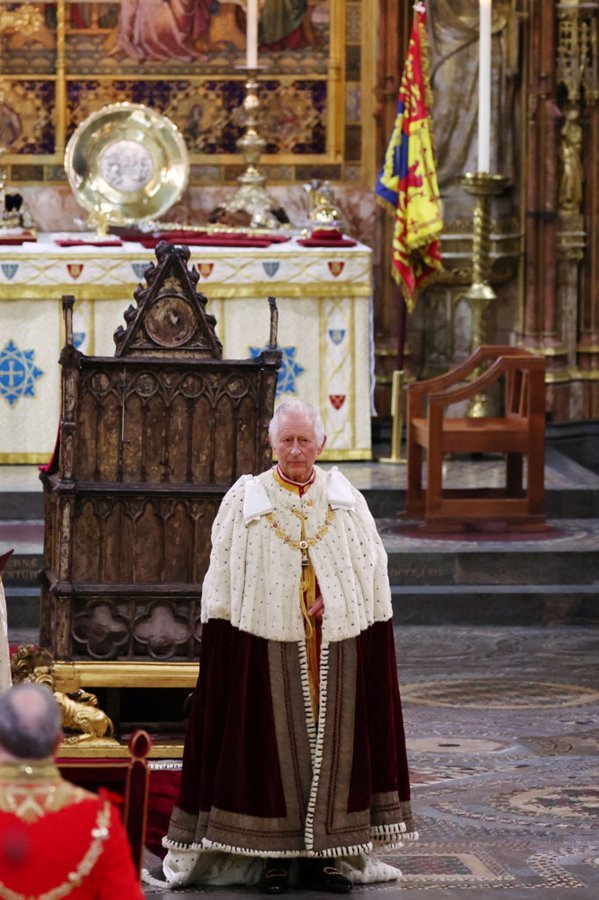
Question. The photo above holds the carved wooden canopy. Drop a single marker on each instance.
(170, 316)
(150, 440)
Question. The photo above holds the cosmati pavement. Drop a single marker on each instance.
(502, 727)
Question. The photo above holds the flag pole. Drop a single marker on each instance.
(407, 186)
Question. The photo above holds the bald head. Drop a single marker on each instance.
(30, 722)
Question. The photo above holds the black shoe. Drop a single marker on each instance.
(275, 881)
(328, 879)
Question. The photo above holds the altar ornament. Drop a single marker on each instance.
(126, 164)
(15, 218)
(251, 197)
(324, 214)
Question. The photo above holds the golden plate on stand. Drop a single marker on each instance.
(126, 163)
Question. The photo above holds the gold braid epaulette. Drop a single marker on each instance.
(73, 880)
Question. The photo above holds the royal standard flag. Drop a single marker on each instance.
(407, 183)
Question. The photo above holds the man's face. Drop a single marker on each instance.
(296, 446)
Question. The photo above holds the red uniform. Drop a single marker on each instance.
(58, 840)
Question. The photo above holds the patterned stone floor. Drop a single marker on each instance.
(503, 733)
(502, 722)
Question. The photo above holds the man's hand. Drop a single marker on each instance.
(317, 608)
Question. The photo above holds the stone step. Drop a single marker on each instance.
(560, 503)
(26, 538)
(567, 553)
(571, 490)
(22, 505)
(23, 608)
(493, 567)
(563, 503)
(518, 604)
(454, 579)
(444, 558)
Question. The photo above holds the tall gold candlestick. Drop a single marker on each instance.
(483, 186)
(397, 419)
(251, 196)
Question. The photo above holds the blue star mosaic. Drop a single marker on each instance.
(288, 372)
(18, 373)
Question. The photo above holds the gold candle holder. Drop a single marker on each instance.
(397, 418)
(483, 186)
(251, 196)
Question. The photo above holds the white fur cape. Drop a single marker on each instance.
(253, 580)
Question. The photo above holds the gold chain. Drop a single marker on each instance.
(307, 542)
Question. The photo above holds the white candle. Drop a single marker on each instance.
(251, 47)
(484, 87)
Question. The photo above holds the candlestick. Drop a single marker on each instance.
(484, 87)
(251, 49)
(397, 392)
(251, 196)
(483, 187)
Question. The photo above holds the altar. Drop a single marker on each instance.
(325, 327)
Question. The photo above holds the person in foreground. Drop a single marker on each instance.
(56, 840)
(295, 748)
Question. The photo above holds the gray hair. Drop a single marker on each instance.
(297, 406)
(30, 721)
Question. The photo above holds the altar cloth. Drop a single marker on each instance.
(325, 328)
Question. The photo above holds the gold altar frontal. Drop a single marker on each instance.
(325, 327)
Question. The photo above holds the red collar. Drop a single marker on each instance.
(301, 486)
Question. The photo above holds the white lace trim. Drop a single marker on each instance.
(254, 572)
(317, 754)
(308, 711)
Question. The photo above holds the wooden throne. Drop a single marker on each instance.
(149, 442)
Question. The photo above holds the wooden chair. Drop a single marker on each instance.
(519, 432)
(129, 776)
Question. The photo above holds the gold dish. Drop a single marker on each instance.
(126, 163)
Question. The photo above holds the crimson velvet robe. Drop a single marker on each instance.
(260, 776)
(248, 781)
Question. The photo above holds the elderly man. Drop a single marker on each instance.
(56, 840)
(295, 745)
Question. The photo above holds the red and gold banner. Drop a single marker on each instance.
(407, 183)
